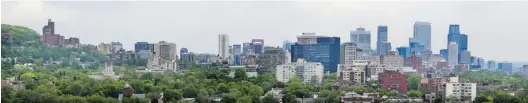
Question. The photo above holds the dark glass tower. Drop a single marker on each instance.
(326, 51)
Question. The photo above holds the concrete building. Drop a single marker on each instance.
(237, 49)
(392, 61)
(452, 57)
(258, 45)
(189, 57)
(524, 70)
(362, 39)
(403, 51)
(223, 46)
(287, 45)
(384, 48)
(306, 71)
(422, 34)
(372, 71)
(348, 53)
(354, 71)
(271, 57)
(102, 47)
(72, 42)
(166, 50)
(393, 80)
(462, 91)
(115, 46)
(247, 48)
(491, 64)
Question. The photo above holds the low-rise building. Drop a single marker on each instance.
(355, 71)
(393, 80)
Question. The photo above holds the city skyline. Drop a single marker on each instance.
(485, 39)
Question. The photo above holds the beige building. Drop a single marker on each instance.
(348, 53)
(102, 47)
(354, 71)
(306, 71)
(393, 61)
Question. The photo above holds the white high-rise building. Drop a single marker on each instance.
(166, 50)
(223, 46)
(422, 34)
(348, 53)
(362, 39)
(452, 54)
(306, 71)
(354, 71)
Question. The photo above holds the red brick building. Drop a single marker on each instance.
(72, 43)
(52, 39)
(393, 80)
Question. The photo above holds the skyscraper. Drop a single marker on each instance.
(142, 46)
(444, 53)
(258, 45)
(455, 36)
(246, 48)
(465, 57)
(237, 49)
(422, 34)
(223, 45)
(362, 38)
(381, 44)
(452, 57)
(184, 50)
(403, 51)
(505, 66)
(315, 48)
(348, 53)
(166, 51)
(491, 64)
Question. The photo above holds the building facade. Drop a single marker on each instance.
(271, 57)
(354, 71)
(306, 71)
(382, 44)
(392, 61)
(393, 80)
(362, 39)
(465, 57)
(348, 53)
(315, 48)
(452, 54)
(505, 66)
(403, 51)
(422, 34)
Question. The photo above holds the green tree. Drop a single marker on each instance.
(414, 93)
(133, 99)
(240, 74)
(269, 99)
(71, 99)
(172, 95)
(413, 81)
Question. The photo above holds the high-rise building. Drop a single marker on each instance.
(444, 53)
(115, 46)
(384, 48)
(348, 53)
(230, 50)
(189, 57)
(184, 50)
(465, 57)
(306, 71)
(165, 50)
(382, 45)
(362, 38)
(491, 64)
(524, 70)
(315, 48)
(223, 46)
(237, 49)
(49, 29)
(258, 45)
(287, 45)
(354, 71)
(247, 48)
(141, 46)
(415, 47)
(455, 36)
(271, 57)
(102, 47)
(452, 57)
(505, 66)
(393, 80)
(403, 51)
(422, 34)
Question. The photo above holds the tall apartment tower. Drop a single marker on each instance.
(348, 52)
(223, 45)
(452, 57)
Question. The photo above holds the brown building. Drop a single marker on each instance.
(72, 43)
(393, 80)
(52, 39)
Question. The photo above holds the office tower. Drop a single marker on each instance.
(302, 69)
(505, 66)
(314, 48)
(237, 49)
(491, 64)
(465, 57)
(444, 53)
(362, 39)
(455, 36)
(184, 50)
(287, 45)
(524, 70)
(354, 71)
(141, 46)
(422, 34)
(223, 46)
(271, 57)
(384, 48)
(393, 80)
(415, 47)
(258, 45)
(452, 57)
(382, 44)
(230, 50)
(247, 48)
(348, 53)
(481, 61)
(403, 51)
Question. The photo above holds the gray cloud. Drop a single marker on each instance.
(496, 30)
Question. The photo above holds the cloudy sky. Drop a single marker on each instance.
(496, 30)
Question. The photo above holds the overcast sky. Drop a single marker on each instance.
(496, 30)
